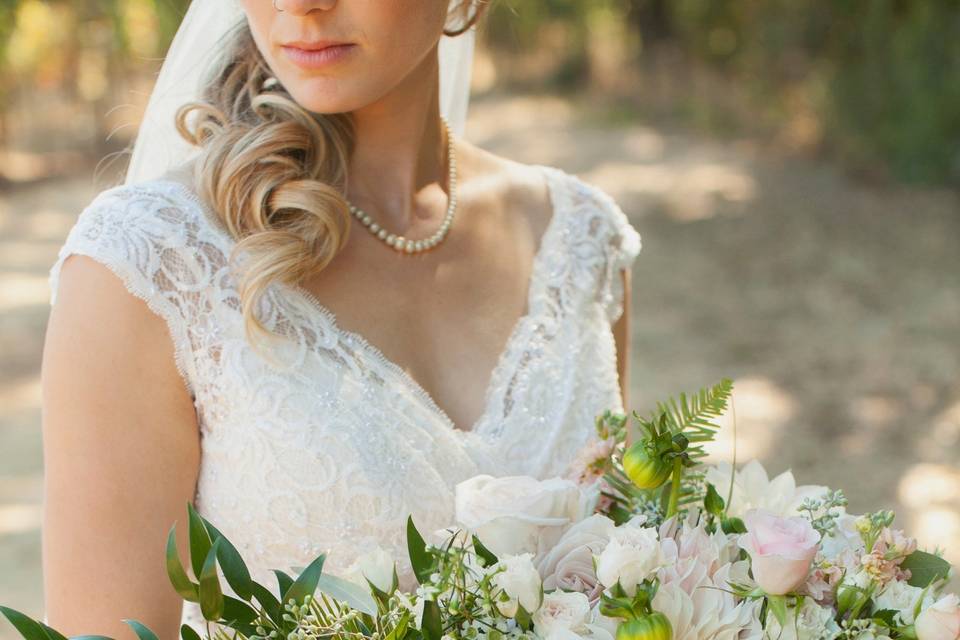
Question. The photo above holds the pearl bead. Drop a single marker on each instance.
(409, 245)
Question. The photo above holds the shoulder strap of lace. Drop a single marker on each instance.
(149, 238)
(613, 242)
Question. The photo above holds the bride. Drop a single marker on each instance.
(322, 318)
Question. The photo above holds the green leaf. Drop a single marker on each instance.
(713, 503)
(430, 623)
(29, 628)
(199, 540)
(142, 631)
(235, 610)
(401, 628)
(231, 562)
(485, 554)
(886, 617)
(348, 593)
(733, 525)
(284, 581)
(187, 633)
(211, 596)
(51, 632)
(187, 589)
(925, 568)
(268, 601)
(420, 558)
(778, 605)
(306, 582)
(90, 637)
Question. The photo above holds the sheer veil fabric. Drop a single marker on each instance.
(159, 147)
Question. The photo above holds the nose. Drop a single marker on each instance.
(303, 7)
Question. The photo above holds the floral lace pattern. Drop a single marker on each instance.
(329, 446)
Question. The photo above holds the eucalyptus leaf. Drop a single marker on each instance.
(430, 623)
(268, 602)
(925, 568)
(29, 628)
(211, 596)
(306, 582)
(187, 589)
(199, 540)
(237, 611)
(188, 633)
(284, 582)
(348, 593)
(231, 562)
(142, 631)
(51, 632)
(420, 558)
(90, 637)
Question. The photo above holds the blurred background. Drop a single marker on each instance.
(792, 167)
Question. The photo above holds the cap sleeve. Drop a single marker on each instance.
(147, 239)
(623, 246)
(607, 241)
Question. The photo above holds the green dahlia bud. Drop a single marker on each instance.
(645, 470)
(653, 626)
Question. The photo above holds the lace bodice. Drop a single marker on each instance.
(329, 448)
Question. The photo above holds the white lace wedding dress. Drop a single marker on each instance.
(330, 450)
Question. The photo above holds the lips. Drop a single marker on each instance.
(315, 45)
(320, 55)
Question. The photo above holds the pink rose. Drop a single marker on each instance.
(941, 620)
(781, 549)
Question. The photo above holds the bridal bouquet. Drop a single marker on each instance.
(645, 543)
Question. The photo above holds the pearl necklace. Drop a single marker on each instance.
(408, 245)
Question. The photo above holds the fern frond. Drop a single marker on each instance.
(694, 417)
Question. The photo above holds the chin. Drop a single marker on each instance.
(324, 95)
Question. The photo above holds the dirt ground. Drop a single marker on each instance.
(834, 306)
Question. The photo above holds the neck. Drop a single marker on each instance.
(397, 172)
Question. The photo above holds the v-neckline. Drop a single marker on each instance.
(557, 206)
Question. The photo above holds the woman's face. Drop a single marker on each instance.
(388, 43)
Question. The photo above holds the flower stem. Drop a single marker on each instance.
(675, 487)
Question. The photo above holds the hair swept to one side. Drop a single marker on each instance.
(273, 172)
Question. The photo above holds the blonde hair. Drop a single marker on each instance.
(273, 172)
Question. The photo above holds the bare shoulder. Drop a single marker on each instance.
(506, 185)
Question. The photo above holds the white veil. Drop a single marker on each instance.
(158, 146)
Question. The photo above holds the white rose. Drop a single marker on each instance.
(561, 615)
(569, 564)
(377, 566)
(753, 489)
(902, 597)
(519, 579)
(941, 620)
(516, 514)
(632, 554)
(811, 622)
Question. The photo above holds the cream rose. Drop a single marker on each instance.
(561, 615)
(569, 564)
(940, 621)
(516, 514)
(518, 578)
(781, 550)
